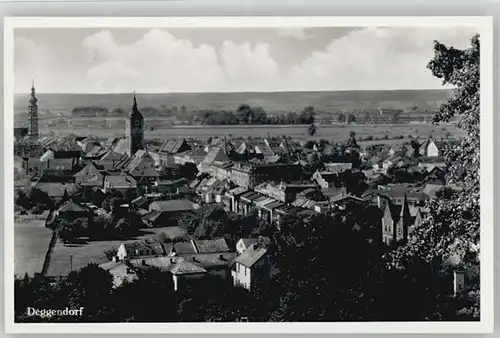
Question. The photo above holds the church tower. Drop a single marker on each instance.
(33, 116)
(134, 129)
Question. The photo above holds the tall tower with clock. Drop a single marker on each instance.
(134, 130)
(33, 116)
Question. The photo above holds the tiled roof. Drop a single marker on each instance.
(250, 241)
(172, 205)
(71, 206)
(120, 181)
(184, 248)
(211, 246)
(54, 189)
(250, 256)
(185, 268)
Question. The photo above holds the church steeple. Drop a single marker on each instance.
(135, 110)
(33, 115)
(134, 132)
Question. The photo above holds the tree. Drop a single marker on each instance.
(351, 118)
(450, 231)
(68, 231)
(352, 143)
(90, 288)
(312, 129)
(341, 118)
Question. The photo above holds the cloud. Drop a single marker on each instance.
(369, 58)
(248, 67)
(161, 62)
(377, 58)
(294, 33)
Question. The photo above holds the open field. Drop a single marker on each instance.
(327, 101)
(76, 256)
(31, 241)
(329, 132)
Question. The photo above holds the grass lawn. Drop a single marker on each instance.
(31, 241)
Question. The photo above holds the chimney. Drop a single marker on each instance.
(221, 257)
(458, 282)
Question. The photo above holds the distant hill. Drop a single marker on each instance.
(274, 102)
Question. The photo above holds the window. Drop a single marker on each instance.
(238, 268)
(245, 270)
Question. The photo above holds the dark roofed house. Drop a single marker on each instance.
(165, 155)
(121, 183)
(71, 210)
(55, 190)
(89, 176)
(211, 245)
(139, 248)
(397, 193)
(140, 166)
(167, 213)
(181, 248)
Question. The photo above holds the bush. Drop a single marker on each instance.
(110, 253)
(38, 209)
(369, 138)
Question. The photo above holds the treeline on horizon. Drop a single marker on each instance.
(248, 115)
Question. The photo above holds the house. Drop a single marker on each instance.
(397, 150)
(221, 170)
(432, 187)
(140, 166)
(195, 156)
(183, 248)
(89, 176)
(168, 150)
(55, 190)
(167, 213)
(214, 154)
(245, 243)
(234, 197)
(283, 192)
(434, 148)
(121, 183)
(250, 266)
(211, 245)
(140, 248)
(391, 161)
(342, 200)
(70, 211)
(338, 167)
(396, 221)
(169, 186)
(109, 159)
(326, 179)
(398, 192)
(120, 271)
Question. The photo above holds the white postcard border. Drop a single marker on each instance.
(485, 28)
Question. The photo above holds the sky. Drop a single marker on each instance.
(160, 60)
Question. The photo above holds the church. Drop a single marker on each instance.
(136, 162)
(28, 145)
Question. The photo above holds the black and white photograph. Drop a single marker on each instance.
(242, 171)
